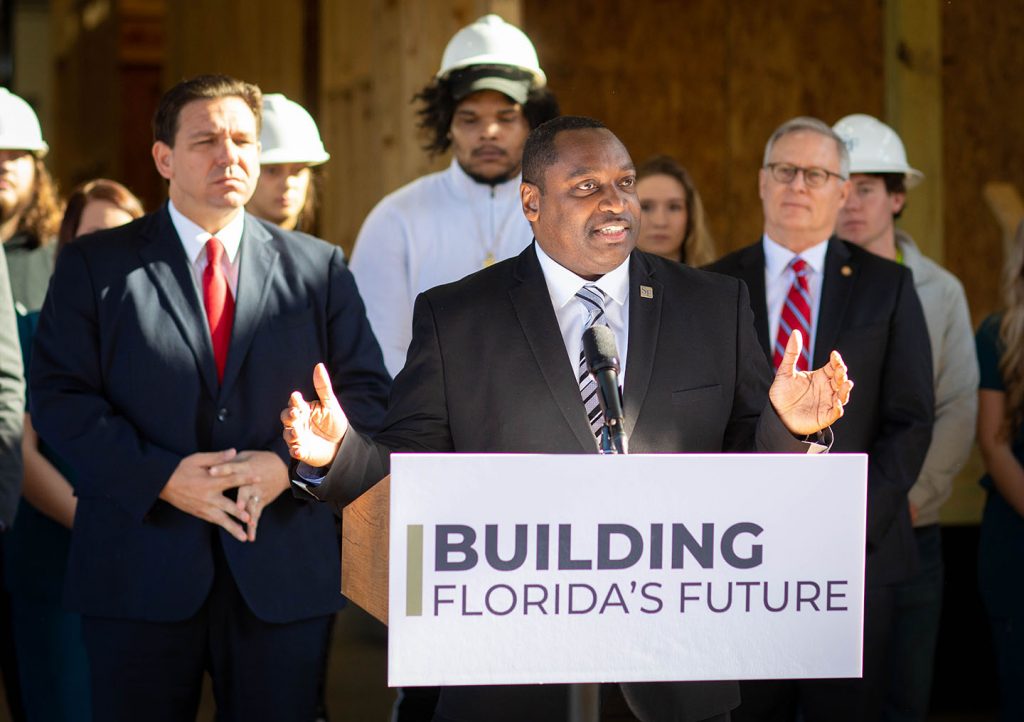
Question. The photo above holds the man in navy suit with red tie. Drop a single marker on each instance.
(840, 297)
(163, 351)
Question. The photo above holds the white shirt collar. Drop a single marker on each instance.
(563, 283)
(194, 238)
(777, 257)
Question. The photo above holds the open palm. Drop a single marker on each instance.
(809, 401)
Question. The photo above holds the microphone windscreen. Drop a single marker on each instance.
(599, 349)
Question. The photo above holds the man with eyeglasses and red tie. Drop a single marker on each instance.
(841, 297)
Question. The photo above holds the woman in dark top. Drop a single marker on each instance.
(1000, 343)
(51, 657)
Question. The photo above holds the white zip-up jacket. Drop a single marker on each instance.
(435, 230)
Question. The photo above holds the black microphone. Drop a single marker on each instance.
(603, 363)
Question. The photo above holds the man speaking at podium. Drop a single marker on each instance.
(495, 361)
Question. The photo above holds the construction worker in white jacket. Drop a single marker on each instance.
(488, 94)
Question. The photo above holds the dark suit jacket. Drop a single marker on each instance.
(870, 313)
(487, 372)
(124, 385)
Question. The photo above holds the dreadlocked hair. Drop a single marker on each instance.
(438, 109)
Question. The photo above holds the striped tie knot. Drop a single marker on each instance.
(796, 316)
(593, 300)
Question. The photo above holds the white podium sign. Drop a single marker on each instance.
(512, 569)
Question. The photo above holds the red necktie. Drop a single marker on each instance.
(220, 306)
(796, 316)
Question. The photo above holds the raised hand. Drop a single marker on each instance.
(809, 401)
(313, 430)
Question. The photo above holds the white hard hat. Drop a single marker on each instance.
(289, 133)
(491, 41)
(875, 147)
(19, 126)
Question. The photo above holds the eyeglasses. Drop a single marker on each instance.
(813, 177)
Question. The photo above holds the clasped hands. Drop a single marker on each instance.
(199, 483)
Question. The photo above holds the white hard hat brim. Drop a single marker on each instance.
(539, 78)
(286, 156)
(39, 150)
(912, 175)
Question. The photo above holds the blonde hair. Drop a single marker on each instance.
(1011, 333)
(698, 247)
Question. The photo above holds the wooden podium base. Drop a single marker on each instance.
(364, 549)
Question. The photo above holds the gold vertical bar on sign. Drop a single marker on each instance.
(414, 571)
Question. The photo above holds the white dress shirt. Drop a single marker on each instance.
(571, 313)
(778, 279)
(193, 239)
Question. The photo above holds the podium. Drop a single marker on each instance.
(364, 550)
(516, 569)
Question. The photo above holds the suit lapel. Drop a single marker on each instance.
(751, 271)
(532, 304)
(839, 276)
(171, 274)
(256, 263)
(644, 323)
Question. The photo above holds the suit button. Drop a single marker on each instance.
(222, 414)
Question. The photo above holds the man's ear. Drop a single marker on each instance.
(897, 201)
(529, 194)
(845, 189)
(162, 159)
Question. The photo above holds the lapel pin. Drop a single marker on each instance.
(646, 292)
(846, 271)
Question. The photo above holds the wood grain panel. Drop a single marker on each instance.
(107, 85)
(364, 549)
(983, 102)
(913, 89)
(376, 55)
(818, 59)
(707, 81)
(654, 74)
(982, 138)
(255, 40)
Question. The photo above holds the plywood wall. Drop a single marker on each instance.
(260, 41)
(708, 80)
(705, 81)
(983, 136)
(982, 141)
(107, 61)
(375, 56)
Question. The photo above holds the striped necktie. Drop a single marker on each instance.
(593, 300)
(796, 316)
